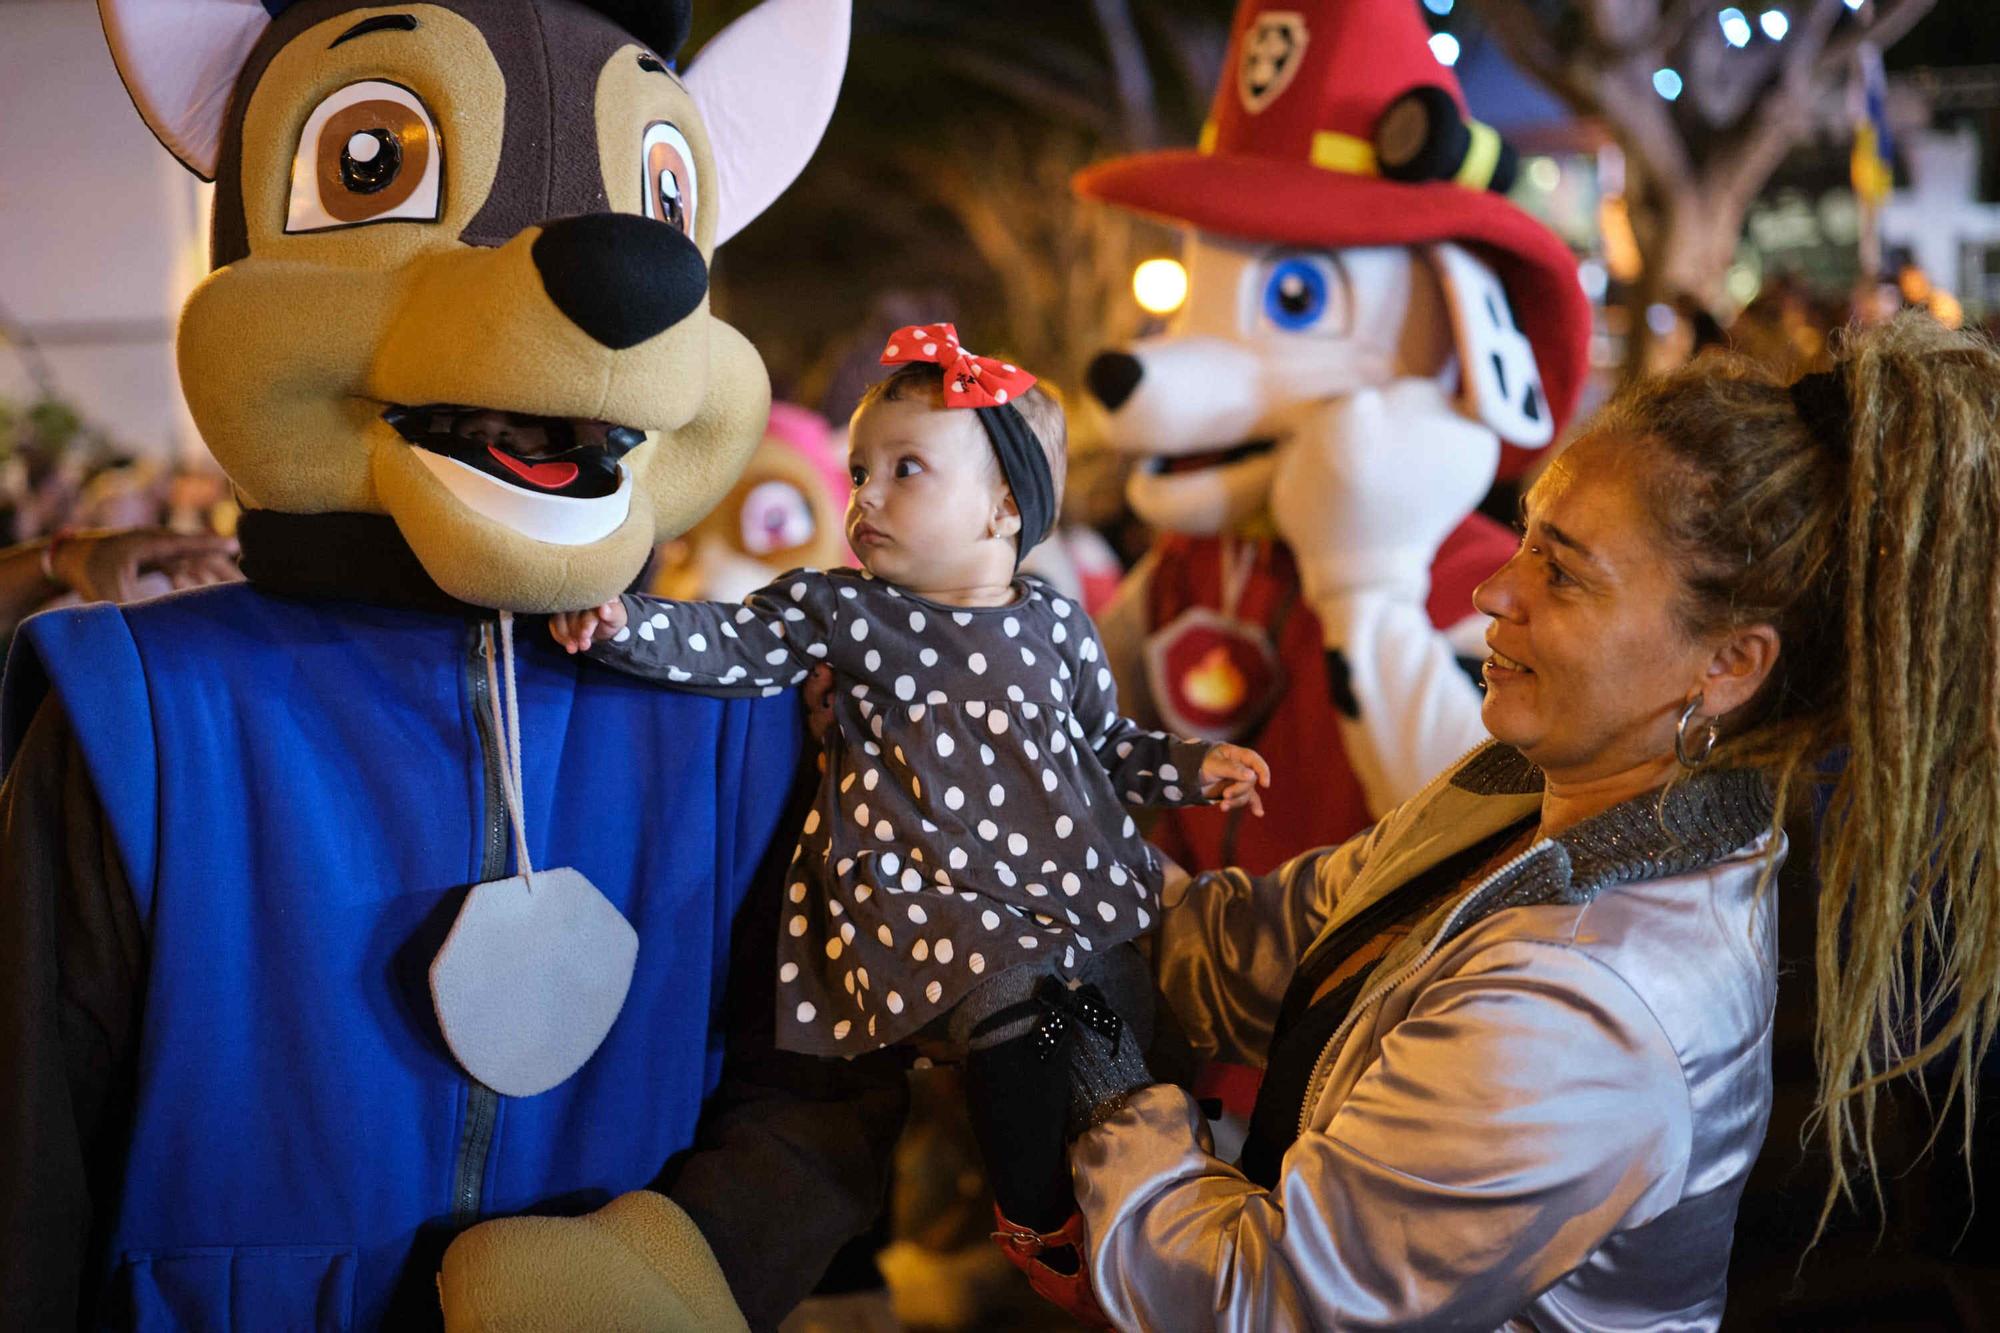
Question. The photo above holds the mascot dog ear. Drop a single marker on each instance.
(1500, 383)
(778, 48)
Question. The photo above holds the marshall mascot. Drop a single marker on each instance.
(1372, 335)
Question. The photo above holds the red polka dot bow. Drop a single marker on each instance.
(969, 381)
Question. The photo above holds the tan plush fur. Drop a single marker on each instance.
(629, 99)
(290, 354)
(636, 1265)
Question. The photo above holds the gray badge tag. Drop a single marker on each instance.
(536, 967)
(531, 979)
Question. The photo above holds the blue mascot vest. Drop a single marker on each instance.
(300, 792)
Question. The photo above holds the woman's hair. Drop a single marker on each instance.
(1041, 407)
(1871, 542)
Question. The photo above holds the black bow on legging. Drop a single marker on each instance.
(1062, 1009)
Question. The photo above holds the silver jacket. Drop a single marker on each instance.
(1540, 1113)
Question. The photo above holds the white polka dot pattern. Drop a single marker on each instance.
(906, 879)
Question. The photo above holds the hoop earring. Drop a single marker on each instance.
(1681, 736)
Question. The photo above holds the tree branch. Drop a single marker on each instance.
(1028, 87)
(1130, 75)
(1616, 92)
(1887, 26)
(1532, 47)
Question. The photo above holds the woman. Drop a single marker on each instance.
(1518, 1034)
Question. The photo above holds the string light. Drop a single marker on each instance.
(1735, 27)
(1439, 7)
(1667, 83)
(1160, 286)
(1445, 47)
(1775, 24)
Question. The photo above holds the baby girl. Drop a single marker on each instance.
(969, 871)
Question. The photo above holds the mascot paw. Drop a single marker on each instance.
(636, 1265)
(1367, 494)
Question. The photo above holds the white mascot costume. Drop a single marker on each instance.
(1372, 335)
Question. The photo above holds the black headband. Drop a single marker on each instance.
(1820, 399)
(1026, 468)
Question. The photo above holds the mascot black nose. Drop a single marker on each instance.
(620, 278)
(1112, 376)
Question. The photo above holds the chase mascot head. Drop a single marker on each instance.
(458, 358)
(462, 255)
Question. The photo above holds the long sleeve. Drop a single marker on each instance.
(1146, 767)
(1226, 950)
(766, 643)
(1527, 1106)
(71, 967)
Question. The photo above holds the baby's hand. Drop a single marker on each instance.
(577, 630)
(1231, 775)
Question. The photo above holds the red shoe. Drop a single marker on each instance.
(1069, 1292)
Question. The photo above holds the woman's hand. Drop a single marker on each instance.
(576, 631)
(818, 696)
(1231, 775)
(105, 566)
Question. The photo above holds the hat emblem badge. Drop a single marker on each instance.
(1273, 50)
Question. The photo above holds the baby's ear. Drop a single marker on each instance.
(1006, 520)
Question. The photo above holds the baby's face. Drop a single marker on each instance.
(927, 491)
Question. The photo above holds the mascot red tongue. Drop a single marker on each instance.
(1372, 335)
(457, 356)
(549, 476)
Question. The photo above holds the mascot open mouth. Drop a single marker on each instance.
(1168, 465)
(561, 456)
(553, 479)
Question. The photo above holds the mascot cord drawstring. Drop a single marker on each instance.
(507, 727)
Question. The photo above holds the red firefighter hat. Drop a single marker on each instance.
(1335, 125)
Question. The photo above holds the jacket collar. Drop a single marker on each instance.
(1697, 821)
(1687, 826)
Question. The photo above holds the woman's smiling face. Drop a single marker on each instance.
(1590, 667)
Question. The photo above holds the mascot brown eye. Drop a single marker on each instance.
(669, 188)
(368, 153)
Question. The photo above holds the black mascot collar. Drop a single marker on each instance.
(340, 556)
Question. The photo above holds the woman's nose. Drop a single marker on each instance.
(1496, 596)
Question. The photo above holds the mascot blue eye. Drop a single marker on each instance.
(1296, 296)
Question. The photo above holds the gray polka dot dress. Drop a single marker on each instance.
(972, 814)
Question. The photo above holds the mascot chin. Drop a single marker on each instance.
(1372, 334)
(332, 922)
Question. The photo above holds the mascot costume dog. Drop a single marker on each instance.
(318, 904)
(1372, 334)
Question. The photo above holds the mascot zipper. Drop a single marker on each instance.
(482, 1104)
